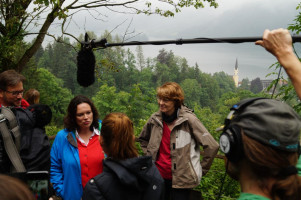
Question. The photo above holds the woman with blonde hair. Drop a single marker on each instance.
(173, 137)
(32, 96)
(125, 175)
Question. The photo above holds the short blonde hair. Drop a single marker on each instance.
(171, 91)
(32, 96)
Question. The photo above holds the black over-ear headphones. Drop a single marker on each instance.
(230, 140)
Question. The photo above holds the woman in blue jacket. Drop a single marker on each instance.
(76, 155)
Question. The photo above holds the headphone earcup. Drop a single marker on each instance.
(231, 143)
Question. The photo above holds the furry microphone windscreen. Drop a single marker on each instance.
(85, 67)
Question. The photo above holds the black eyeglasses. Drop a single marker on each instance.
(15, 93)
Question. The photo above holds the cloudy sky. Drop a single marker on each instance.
(233, 18)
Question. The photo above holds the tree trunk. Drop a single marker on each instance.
(38, 42)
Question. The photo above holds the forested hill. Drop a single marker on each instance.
(126, 82)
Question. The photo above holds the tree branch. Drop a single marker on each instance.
(40, 38)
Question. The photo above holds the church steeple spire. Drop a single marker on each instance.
(235, 77)
(236, 65)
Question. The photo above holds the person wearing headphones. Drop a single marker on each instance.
(262, 149)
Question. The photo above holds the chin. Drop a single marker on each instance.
(162, 110)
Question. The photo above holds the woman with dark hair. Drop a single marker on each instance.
(125, 175)
(173, 136)
(76, 155)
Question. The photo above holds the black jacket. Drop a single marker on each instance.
(131, 179)
(35, 146)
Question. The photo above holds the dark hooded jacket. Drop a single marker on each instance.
(133, 179)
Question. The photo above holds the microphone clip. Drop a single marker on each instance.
(86, 45)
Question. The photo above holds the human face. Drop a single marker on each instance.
(166, 106)
(12, 96)
(84, 116)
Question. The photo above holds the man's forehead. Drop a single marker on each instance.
(18, 86)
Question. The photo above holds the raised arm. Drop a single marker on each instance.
(279, 43)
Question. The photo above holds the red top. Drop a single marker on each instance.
(91, 158)
(163, 162)
(24, 104)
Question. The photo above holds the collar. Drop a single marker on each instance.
(95, 132)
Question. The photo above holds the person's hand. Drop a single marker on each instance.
(278, 42)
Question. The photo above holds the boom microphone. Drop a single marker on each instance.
(85, 67)
(86, 61)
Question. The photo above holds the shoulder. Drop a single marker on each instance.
(91, 191)
(156, 115)
(188, 113)
(102, 183)
(61, 135)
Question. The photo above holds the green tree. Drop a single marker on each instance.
(140, 58)
(107, 100)
(19, 17)
(245, 84)
(192, 90)
(225, 82)
(210, 91)
(256, 85)
(61, 61)
(161, 74)
(53, 94)
(139, 106)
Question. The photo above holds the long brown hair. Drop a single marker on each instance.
(13, 189)
(118, 136)
(266, 162)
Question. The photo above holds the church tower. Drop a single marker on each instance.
(235, 77)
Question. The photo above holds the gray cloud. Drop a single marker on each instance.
(233, 18)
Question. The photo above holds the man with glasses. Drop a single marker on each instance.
(11, 96)
(11, 89)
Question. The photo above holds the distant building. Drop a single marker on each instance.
(235, 76)
(266, 83)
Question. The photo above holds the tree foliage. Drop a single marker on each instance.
(19, 19)
(256, 85)
(245, 84)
